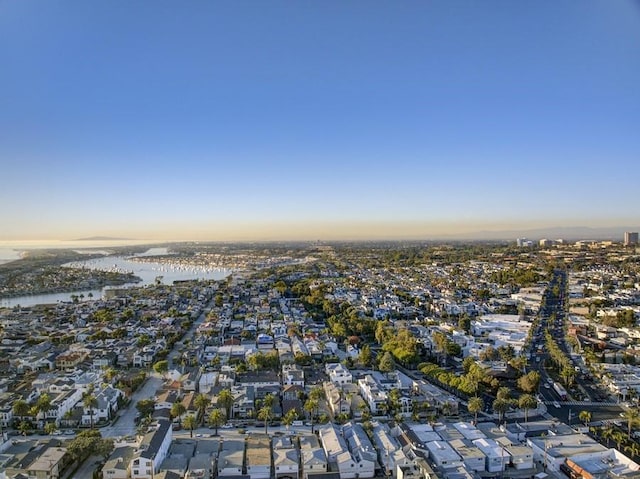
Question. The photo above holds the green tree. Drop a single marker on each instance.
(20, 408)
(464, 323)
(265, 414)
(90, 402)
(475, 405)
(189, 422)
(632, 417)
(317, 392)
(268, 400)
(89, 442)
(146, 407)
(50, 427)
(201, 402)
(527, 402)
(504, 393)
(177, 410)
(109, 374)
(24, 427)
(104, 448)
(607, 433)
(216, 419)
(311, 406)
(365, 358)
(501, 406)
(289, 417)
(618, 437)
(633, 449)
(585, 417)
(161, 367)
(42, 406)
(529, 382)
(386, 364)
(568, 375)
(225, 399)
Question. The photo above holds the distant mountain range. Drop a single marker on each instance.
(568, 233)
(102, 238)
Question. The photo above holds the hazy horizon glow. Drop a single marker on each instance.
(332, 120)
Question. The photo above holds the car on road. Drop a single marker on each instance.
(556, 404)
(226, 426)
(548, 386)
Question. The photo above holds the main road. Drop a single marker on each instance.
(553, 306)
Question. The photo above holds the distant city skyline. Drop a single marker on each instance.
(279, 120)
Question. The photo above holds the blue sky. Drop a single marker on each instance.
(239, 120)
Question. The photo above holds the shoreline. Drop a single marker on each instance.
(64, 290)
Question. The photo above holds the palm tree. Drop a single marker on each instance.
(24, 427)
(607, 433)
(225, 399)
(177, 410)
(268, 400)
(311, 406)
(504, 393)
(265, 414)
(501, 406)
(526, 402)
(50, 427)
(110, 373)
(394, 400)
(288, 418)
(633, 449)
(91, 402)
(618, 437)
(568, 375)
(585, 417)
(190, 423)
(20, 408)
(475, 405)
(317, 392)
(42, 406)
(201, 402)
(632, 416)
(216, 419)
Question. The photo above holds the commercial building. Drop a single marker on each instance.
(630, 238)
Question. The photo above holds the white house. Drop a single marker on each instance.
(338, 373)
(152, 451)
(286, 459)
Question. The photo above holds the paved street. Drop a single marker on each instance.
(125, 425)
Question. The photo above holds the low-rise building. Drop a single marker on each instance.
(231, 458)
(258, 457)
(313, 458)
(152, 451)
(286, 458)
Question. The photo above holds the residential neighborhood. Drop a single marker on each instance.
(337, 361)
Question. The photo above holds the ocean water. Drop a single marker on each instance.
(165, 272)
(11, 250)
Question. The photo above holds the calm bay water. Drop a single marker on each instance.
(165, 271)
